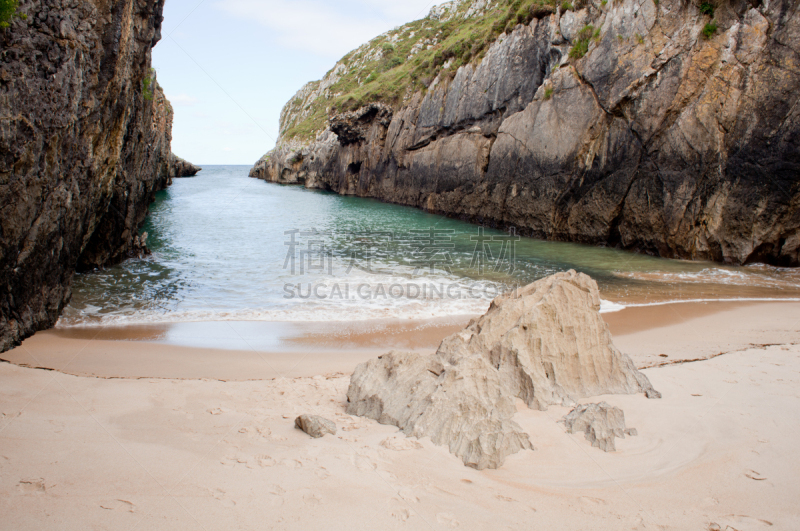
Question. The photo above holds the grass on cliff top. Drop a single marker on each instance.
(9, 9)
(382, 71)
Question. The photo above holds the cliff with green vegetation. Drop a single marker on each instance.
(84, 146)
(394, 66)
(668, 127)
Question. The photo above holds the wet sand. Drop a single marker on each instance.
(718, 451)
(236, 350)
(265, 350)
(280, 336)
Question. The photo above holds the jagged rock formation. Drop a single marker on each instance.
(544, 344)
(600, 423)
(181, 168)
(314, 425)
(84, 145)
(462, 406)
(646, 125)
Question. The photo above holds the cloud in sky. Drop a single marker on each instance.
(229, 66)
(325, 28)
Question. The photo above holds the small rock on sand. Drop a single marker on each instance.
(600, 423)
(315, 425)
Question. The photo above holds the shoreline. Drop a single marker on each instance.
(242, 350)
(716, 451)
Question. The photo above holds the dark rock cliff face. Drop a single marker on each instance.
(181, 168)
(84, 144)
(658, 140)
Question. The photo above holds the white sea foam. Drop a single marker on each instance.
(298, 314)
(611, 307)
(752, 276)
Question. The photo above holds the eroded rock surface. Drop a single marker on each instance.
(658, 139)
(545, 344)
(600, 423)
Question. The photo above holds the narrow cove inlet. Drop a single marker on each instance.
(229, 248)
(505, 265)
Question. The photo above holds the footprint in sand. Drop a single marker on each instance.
(265, 461)
(363, 462)
(266, 434)
(233, 460)
(401, 513)
(32, 486)
(291, 463)
(312, 499)
(590, 505)
(448, 520)
(223, 496)
(408, 495)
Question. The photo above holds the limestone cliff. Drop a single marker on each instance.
(85, 136)
(667, 127)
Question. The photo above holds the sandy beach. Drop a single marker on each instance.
(139, 452)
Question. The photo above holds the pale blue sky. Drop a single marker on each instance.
(228, 66)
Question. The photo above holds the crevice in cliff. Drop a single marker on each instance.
(487, 158)
(425, 142)
(591, 88)
(614, 233)
(517, 140)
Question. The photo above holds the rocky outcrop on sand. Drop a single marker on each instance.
(462, 406)
(600, 423)
(544, 344)
(650, 126)
(182, 168)
(84, 146)
(314, 425)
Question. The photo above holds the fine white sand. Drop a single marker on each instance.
(82, 453)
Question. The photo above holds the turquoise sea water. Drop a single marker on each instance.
(228, 247)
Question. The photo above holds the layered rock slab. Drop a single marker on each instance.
(545, 344)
